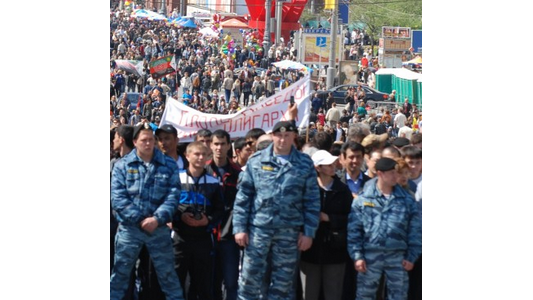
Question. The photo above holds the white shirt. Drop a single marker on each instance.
(333, 115)
(418, 194)
(339, 134)
(121, 48)
(407, 131)
(186, 82)
(399, 120)
(371, 79)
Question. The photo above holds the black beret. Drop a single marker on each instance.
(283, 126)
(385, 164)
(140, 127)
(168, 129)
(400, 142)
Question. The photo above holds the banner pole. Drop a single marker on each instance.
(307, 134)
(177, 88)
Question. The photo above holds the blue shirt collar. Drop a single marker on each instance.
(355, 186)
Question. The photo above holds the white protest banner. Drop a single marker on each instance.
(262, 115)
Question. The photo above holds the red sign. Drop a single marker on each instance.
(289, 17)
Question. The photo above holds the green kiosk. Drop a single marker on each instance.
(406, 83)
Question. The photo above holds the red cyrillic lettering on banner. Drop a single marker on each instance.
(228, 127)
(263, 115)
(265, 123)
(236, 125)
(202, 122)
(194, 121)
(274, 116)
(247, 124)
(183, 115)
(254, 121)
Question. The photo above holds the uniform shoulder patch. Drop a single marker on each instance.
(267, 168)
(369, 204)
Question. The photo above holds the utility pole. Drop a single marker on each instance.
(266, 37)
(279, 10)
(299, 46)
(183, 7)
(331, 67)
(163, 8)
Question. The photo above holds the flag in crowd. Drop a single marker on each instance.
(163, 66)
(130, 66)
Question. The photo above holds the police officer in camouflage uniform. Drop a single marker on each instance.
(384, 234)
(276, 213)
(145, 187)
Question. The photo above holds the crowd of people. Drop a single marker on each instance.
(208, 76)
(330, 212)
(216, 217)
(400, 121)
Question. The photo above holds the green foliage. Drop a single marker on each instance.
(307, 15)
(375, 14)
(378, 13)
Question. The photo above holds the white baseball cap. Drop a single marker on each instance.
(323, 157)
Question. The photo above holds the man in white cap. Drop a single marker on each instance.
(323, 265)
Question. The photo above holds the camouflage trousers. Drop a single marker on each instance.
(396, 277)
(282, 246)
(128, 243)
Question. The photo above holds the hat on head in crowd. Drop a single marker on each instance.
(385, 164)
(283, 126)
(140, 127)
(400, 142)
(374, 138)
(323, 157)
(168, 129)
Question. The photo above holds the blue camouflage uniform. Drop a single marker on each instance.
(140, 190)
(274, 203)
(384, 232)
